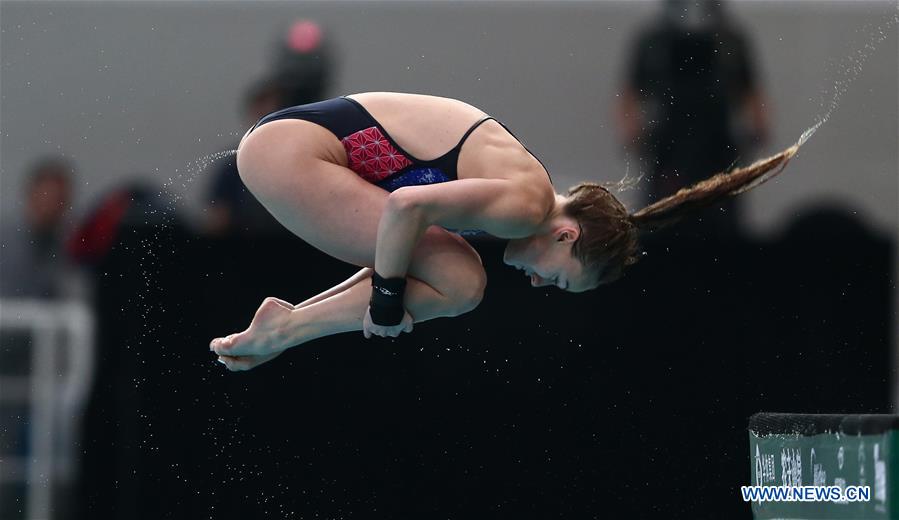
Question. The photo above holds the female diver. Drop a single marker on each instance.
(389, 182)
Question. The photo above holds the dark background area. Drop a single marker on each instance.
(629, 401)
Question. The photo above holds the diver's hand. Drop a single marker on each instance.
(369, 328)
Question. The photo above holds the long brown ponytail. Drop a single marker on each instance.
(710, 191)
(609, 239)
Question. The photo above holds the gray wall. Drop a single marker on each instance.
(129, 88)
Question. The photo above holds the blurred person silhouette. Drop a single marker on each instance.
(302, 66)
(232, 210)
(303, 63)
(131, 205)
(33, 262)
(691, 105)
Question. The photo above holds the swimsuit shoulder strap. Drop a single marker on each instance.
(471, 129)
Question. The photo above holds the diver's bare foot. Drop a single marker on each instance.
(241, 363)
(265, 336)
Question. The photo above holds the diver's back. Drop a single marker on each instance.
(425, 126)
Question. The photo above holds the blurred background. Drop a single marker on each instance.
(128, 242)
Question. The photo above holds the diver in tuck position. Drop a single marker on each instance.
(389, 182)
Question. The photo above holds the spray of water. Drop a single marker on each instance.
(159, 218)
(186, 176)
(852, 65)
(627, 182)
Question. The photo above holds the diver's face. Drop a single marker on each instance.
(547, 260)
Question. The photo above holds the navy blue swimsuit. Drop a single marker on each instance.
(371, 153)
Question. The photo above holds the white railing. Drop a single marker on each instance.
(55, 394)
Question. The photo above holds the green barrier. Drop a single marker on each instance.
(826, 450)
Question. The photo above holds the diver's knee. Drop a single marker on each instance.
(469, 293)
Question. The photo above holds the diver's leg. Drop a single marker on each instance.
(247, 362)
(276, 326)
(339, 288)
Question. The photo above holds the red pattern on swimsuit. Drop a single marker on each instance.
(372, 156)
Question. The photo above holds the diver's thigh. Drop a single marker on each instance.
(294, 171)
(288, 167)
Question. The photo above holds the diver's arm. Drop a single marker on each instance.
(502, 207)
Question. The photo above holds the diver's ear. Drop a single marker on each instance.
(566, 234)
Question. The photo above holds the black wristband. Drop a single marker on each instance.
(386, 303)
